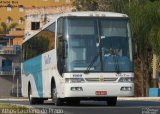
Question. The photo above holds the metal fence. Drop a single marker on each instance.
(16, 49)
(10, 70)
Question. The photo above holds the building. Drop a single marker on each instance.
(14, 11)
(17, 11)
(36, 18)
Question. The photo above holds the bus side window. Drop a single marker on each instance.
(41, 43)
(49, 33)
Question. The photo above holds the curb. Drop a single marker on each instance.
(140, 98)
(13, 99)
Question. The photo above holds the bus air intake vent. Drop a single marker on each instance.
(101, 80)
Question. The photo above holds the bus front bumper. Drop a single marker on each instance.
(98, 89)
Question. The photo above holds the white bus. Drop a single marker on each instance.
(79, 56)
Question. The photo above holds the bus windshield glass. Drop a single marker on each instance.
(104, 44)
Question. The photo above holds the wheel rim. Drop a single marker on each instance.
(30, 94)
(54, 93)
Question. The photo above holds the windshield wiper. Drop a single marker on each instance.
(95, 58)
(92, 62)
(116, 65)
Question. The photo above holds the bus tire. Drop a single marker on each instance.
(73, 102)
(40, 101)
(31, 99)
(112, 101)
(57, 101)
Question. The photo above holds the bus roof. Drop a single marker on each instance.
(94, 13)
(79, 14)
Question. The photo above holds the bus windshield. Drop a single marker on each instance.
(104, 44)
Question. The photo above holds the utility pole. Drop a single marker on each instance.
(17, 86)
(13, 79)
(142, 78)
(154, 82)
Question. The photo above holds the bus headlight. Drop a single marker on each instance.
(74, 80)
(126, 79)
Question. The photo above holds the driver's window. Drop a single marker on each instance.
(60, 45)
(59, 37)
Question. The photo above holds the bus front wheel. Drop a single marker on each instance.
(73, 102)
(112, 101)
(57, 101)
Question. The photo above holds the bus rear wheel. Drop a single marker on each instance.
(31, 99)
(112, 101)
(34, 100)
(40, 101)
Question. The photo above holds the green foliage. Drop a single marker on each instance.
(145, 25)
(119, 5)
(91, 5)
(16, 109)
(155, 39)
(4, 29)
(154, 35)
(144, 17)
(100, 5)
(11, 106)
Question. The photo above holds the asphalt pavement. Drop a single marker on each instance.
(141, 105)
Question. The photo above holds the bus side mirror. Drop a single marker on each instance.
(65, 48)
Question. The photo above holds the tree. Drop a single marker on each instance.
(154, 35)
(5, 29)
(144, 18)
(92, 5)
(119, 5)
(100, 5)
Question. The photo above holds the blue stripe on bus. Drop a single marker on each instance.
(34, 67)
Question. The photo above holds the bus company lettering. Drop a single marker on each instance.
(47, 59)
(122, 75)
(77, 75)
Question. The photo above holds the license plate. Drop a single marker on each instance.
(101, 93)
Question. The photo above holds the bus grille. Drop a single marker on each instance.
(101, 79)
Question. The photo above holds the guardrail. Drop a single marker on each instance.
(10, 70)
(6, 72)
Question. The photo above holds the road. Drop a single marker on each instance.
(124, 106)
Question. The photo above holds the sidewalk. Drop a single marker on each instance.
(14, 99)
(139, 98)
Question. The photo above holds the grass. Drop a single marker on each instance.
(13, 109)
(10, 106)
